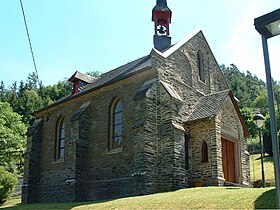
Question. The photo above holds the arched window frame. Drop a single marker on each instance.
(60, 139)
(116, 125)
(200, 64)
(204, 152)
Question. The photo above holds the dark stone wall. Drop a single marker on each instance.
(82, 155)
(31, 181)
(90, 170)
(119, 172)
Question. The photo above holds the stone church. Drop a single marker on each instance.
(152, 125)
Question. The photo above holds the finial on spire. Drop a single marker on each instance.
(161, 6)
(162, 18)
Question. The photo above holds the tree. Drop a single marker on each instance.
(54, 92)
(276, 90)
(8, 182)
(28, 103)
(12, 136)
(261, 102)
(32, 81)
(2, 91)
(248, 116)
(94, 73)
(244, 86)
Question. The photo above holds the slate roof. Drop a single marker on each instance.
(120, 73)
(115, 75)
(208, 105)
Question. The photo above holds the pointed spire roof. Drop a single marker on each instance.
(161, 6)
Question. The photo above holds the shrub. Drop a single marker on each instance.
(8, 182)
(258, 183)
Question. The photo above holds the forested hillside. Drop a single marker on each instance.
(19, 100)
(252, 95)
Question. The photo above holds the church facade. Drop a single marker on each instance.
(155, 124)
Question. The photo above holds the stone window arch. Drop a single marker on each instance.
(116, 125)
(60, 139)
(204, 152)
(200, 64)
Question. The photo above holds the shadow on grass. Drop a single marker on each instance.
(233, 188)
(266, 200)
(42, 206)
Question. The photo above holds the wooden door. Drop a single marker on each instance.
(228, 159)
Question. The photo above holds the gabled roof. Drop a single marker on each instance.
(115, 75)
(209, 105)
(179, 44)
(121, 72)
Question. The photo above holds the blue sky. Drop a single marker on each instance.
(86, 35)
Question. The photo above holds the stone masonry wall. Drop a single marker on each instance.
(204, 130)
(79, 137)
(180, 70)
(57, 175)
(90, 171)
(164, 145)
(31, 181)
(118, 173)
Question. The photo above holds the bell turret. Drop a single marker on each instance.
(162, 18)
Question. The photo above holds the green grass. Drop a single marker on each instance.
(255, 166)
(192, 198)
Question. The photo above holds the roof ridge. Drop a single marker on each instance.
(125, 65)
(179, 44)
(226, 90)
(141, 60)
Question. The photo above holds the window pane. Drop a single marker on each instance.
(62, 133)
(61, 153)
(62, 143)
(118, 118)
(118, 130)
(118, 107)
(117, 141)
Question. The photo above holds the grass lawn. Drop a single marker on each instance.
(193, 198)
(255, 167)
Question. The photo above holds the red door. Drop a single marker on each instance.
(228, 160)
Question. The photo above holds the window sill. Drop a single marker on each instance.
(114, 151)
(58, 161)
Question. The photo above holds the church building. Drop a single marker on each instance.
(155, 124)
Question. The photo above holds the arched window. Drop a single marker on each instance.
(116, 125)
(204, 152)
(200, 63)
(60, 139)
